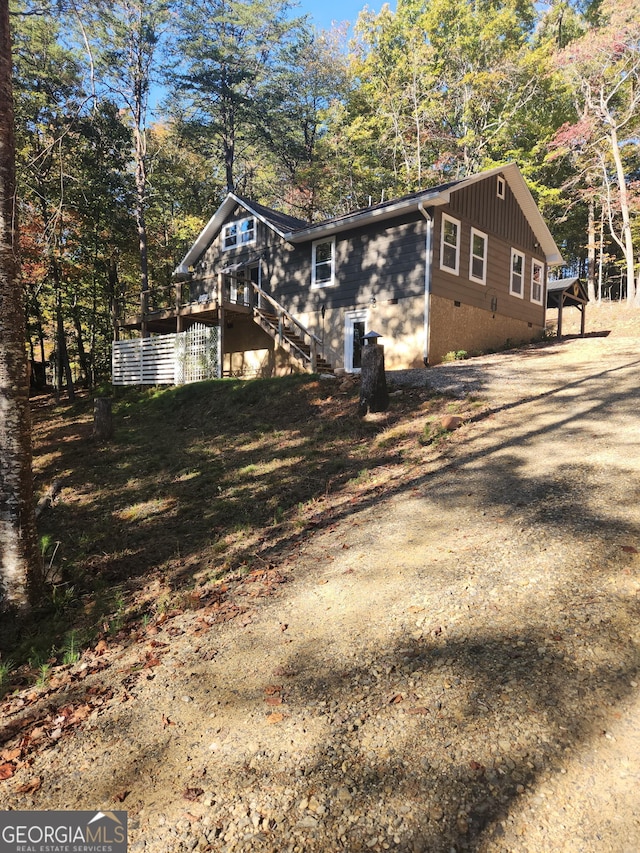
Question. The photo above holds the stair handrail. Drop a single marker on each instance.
(280, 311)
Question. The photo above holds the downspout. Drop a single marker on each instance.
(428, 263)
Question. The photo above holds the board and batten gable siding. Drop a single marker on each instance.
(384, 261)
(507, 228)
(215, 258)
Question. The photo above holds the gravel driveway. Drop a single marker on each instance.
(454, 667)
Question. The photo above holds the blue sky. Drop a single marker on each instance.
(326, 11)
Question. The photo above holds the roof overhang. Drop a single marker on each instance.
(365, 217)
(416, 203)
(435, 198)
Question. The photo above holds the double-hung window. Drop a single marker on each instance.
(239, 233)
(537, 279)
(478, 259)
(450, 244)
(323, 263)
(516, 285)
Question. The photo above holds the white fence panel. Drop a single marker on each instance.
(190, 356)
(159, 360)
(126, 363)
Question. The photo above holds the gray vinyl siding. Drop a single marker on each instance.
(383, 261)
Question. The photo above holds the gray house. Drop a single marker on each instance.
(462, 266)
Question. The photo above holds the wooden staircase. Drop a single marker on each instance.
(288, 332)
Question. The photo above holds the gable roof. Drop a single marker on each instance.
(438, 196)
(298, 231)
(278, 222)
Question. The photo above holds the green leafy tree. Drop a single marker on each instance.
(124, 41)
(229, 56)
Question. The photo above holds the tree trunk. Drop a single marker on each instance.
(141, 182)
(61, 338)
(374, 396)
(85, 367)
(627, 236)
(102, 419)
(113, 296)
(20, 565)
(591, 253)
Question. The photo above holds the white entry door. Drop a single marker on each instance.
(354, 331)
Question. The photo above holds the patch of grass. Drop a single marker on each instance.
(6, 668)
(70, 650)
(196, 482)
(455, 355)
(434, 433)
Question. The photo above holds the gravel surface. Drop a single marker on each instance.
(452, 668)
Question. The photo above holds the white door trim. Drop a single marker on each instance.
(350, 318)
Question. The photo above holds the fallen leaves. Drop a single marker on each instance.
(192, 794)
(273, 694)
(284, 672)
(7, 770)
(31, 786)
(276, 717)
(47, 728)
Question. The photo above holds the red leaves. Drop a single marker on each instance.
(7, 771)
(273, 697)
(273, 694)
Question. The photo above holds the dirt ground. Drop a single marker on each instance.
(454, 667)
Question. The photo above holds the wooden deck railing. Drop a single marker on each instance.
(299, 331)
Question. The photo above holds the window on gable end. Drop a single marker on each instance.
(478, 259)
(450, 244)
(239, 233)
(516, 285)
(500, 187)
(323, 263)
(537, 282)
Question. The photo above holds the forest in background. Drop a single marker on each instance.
(134, 118)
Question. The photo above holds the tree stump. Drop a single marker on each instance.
(102, 419)
(374, 396)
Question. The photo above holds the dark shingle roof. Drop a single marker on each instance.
(281, 221)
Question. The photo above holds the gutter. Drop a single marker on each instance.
(364, 217)
(428, 263)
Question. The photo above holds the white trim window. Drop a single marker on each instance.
(516, 284)
(450, 244)
(478, 256)
(537, 282)
(323, 263)
(500, 187)
(242, 232)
